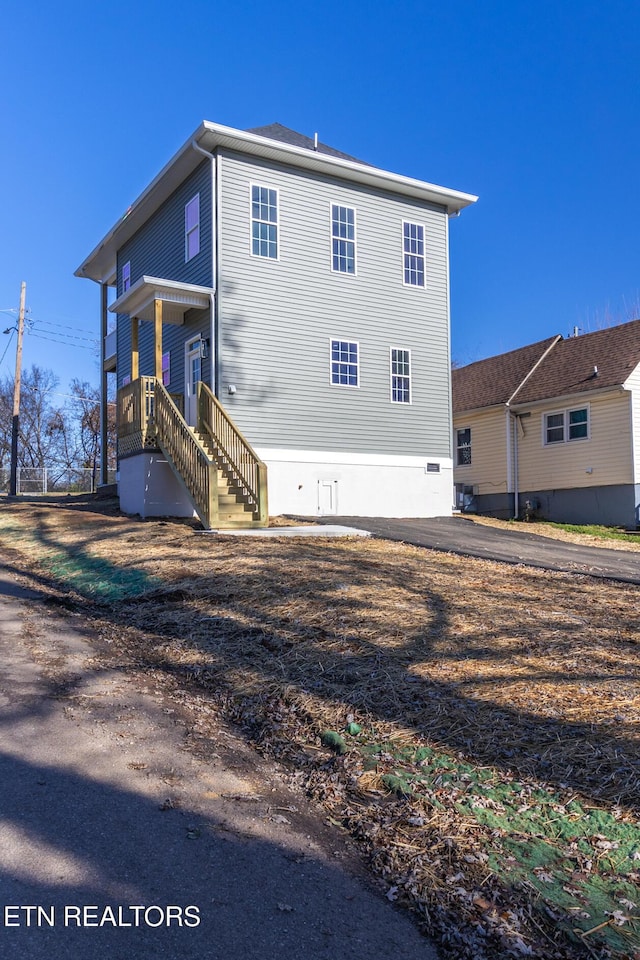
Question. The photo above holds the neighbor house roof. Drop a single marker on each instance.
(592, 361)
(486, 383)
(278, 145)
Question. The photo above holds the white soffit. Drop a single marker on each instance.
(176, 299)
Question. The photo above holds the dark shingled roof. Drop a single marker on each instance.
(492, 381)
(567, 369)
(276, 131)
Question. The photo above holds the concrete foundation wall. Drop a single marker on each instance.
(617, 505)
(320, 483)
(148, 486)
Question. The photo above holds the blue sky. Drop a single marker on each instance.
(534, 107)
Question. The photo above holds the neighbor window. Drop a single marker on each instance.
(344, 363)
(401, 376)
(463, 443)
(192, 228)
(565, 425)
(126, 276)
(413, 250)
(264, 222)
(343, 239)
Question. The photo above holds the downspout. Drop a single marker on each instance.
(512, 457)
(214, 352)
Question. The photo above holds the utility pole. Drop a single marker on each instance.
(15, 425)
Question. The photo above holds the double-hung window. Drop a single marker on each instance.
(413, 253)
(343, 239)
(344, 363)
(400, 376)
(264, 222)
(126, 276)
(192, 228)
(565, 425)
(463, 445)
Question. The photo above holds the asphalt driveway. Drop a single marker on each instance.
(462, 536)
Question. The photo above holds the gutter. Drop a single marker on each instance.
(512, 435)
(213, 319)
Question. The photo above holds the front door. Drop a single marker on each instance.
(192, 375)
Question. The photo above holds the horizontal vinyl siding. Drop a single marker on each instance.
(633, 385)
(277, 318)
(488, 468)
(158, 250)
(564, 465)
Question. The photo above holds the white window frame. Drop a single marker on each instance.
(190, 232)
(344, 273)
(351, 343)
(126, 276)
(400, 376)
(407, 253)
(465, 446)
(252, 220)
(566, 425)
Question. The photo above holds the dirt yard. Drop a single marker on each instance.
(474, 725)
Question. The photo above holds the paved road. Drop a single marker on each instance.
(104, 806)
(462, 536)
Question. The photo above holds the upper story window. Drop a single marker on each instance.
(413, 253)
(192, 228)
(344, 363)
(126, 276)
(400, 376)
(264, 222)
(343, 239)
(463, 445)
(565, 425)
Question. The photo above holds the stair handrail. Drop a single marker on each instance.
(191, 461)
(247, 470)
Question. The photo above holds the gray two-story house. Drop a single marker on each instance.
(283, 312)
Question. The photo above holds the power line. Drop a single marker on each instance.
(60, 326)
(69, 336)
(65, 343)
(7, 346)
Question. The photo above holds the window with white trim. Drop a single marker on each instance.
(192, 228)
(413, 253)
(463, 447)
(343, 239)
(344, 363)
(400, 376)
(562, 426)
(126, 276)
(264, 222)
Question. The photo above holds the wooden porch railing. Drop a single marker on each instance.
(148, 418)
(247, 471)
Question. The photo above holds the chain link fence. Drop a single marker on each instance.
(43, 480)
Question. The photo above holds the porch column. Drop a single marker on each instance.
(157, 337)
(135, 352)
(104, 408)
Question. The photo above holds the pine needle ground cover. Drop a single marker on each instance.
(474, 725)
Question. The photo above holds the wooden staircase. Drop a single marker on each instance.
(222, 475)
(235, 508)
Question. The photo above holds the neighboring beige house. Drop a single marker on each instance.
(553, 427)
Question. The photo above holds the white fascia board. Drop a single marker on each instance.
(291, 455)
(567, 399)
(138, 300)
(210, 136)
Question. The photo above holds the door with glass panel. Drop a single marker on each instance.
(192, 375)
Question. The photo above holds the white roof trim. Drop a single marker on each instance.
(177, 298)
(100, 264)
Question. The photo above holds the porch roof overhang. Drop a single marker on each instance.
(176, 299)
